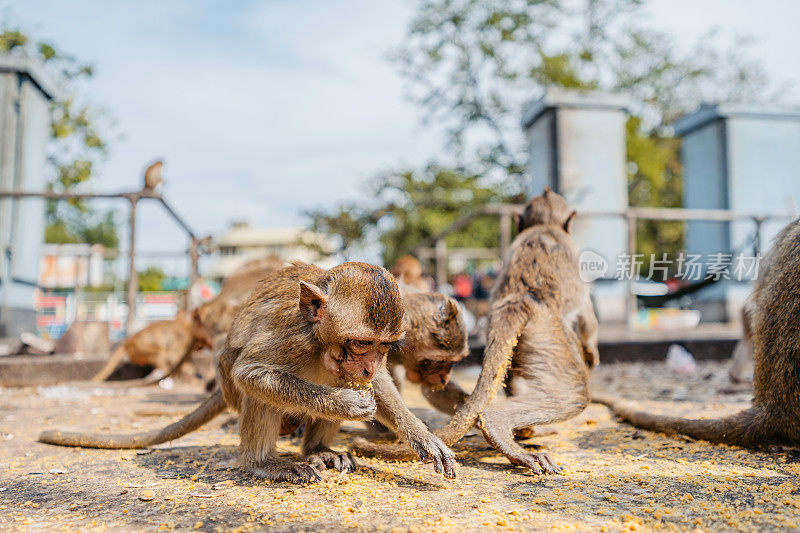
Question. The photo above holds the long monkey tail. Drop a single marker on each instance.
(747, 428)
(211, 407)
(509, 317)
(112, 364)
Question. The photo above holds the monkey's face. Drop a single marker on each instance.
(356, 314)
(547, 208)
(433, 373)
(356, 361)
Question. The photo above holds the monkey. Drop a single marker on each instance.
(541, 341)
(435, 338)
(158, 345)
(298, 348)
(213, 318)
(153, 176)
(773, 419)
(408, 271)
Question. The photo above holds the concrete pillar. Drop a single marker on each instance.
(25, 91)
(577, 148)
(744, 158)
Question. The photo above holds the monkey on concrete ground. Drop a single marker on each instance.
(162, 345)
(297, 348)
(541, 342)
(212, 319)
(435, 339)
(410, 275)
(773, 419)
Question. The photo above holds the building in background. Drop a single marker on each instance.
(745, 158)
(25, 93)
(241, 243)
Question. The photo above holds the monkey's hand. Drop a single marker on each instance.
(429, 447)
(354, 404)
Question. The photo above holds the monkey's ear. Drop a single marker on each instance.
(447, 311)
(312, 301)
(547, 189)
(568, 223)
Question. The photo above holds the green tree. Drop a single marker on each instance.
(409, 206)
(472, 65)
(77, 144)
(151, 279)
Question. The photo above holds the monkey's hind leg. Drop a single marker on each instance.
(550, 386)
(259, 428)
(316, 452)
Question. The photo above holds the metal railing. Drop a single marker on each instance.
(435, 247)
(196, 245)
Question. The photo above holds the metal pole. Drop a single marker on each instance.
(133, 280)
(505, 235)
(441, 263)
(630, 298)
(194, 274)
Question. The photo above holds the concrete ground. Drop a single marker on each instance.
(616, 478)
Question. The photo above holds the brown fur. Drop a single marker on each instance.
(152, 176)
(542, 339)
(302, 339)
(774, 417)
(435, 338)
(161, 345)
(409, 273)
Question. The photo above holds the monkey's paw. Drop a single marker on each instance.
(538, 462)
(291, 472)
(358, 405)
(429, 447)
(341, 461)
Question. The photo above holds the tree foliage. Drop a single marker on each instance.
(472, 66)
(151, 279)
(414, 205)
(77, 144)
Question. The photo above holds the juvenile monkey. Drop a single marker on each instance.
(774, 416)
(161, 345)
(214, 317)
(303, 338)
(435, 339)
(153, 175)
(408, 271)
(541, 341)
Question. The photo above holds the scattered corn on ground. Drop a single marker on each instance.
(616, 478)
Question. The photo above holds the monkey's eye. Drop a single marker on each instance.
(384, 347)
(359, 347)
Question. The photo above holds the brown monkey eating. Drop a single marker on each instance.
(774, 322)
(541, 341)
(304, 337)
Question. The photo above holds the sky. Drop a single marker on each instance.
(262, 109)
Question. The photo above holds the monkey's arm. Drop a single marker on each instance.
(279, 387)
(447, 399)
(393, 413)
(587, 333)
